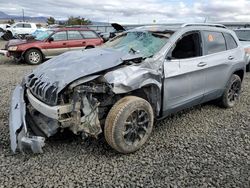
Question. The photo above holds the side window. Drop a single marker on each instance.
(230, 42)
(214, 42)
(26, 25)
(62, 35)
(19, 25)
(74, 35)
(88, 34)
(188, 46)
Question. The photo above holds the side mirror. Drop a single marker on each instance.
(50, 39)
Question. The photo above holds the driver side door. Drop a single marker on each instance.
(184, 74)
(57, 46)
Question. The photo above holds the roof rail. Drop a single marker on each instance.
(203, 24)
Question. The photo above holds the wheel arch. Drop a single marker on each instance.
(33, 48)
(239, 73)
(152, 94)
(89, 46)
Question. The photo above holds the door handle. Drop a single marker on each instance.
(201, 64)
(64, 43)
(83, 42)
(230, 58)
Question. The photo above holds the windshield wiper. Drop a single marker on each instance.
(133, 51)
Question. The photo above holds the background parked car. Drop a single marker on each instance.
(51, 43)
(3, 28)
(244, 37)
(19, 30)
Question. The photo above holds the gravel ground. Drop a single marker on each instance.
(205, 146)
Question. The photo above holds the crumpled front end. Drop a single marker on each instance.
(20, 137)
(32, 119)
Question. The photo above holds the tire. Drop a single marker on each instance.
(122, 130)
(232, 92)
(7, 36)
(33, 57)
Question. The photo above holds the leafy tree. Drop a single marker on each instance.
(51, 20)
(78, 21)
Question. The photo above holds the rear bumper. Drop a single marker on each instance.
(20, 137)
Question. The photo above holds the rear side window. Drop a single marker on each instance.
(214, 42)
(89, 34)
(26, 25)
(231, 44)
(74, 35)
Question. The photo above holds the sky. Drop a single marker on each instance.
(133, 11)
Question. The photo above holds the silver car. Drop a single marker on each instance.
(120, 88)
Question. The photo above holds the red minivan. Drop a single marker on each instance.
(51, 43)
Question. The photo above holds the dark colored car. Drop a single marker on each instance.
(51, 43)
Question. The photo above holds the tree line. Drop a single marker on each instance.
(71, 21)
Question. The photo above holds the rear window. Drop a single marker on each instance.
(74, 35)
(214, 42)
(89, 34)
(231, 44)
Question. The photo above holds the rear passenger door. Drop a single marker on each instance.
(220, 56)
(91, 38)
(75, 40)
(27, 28)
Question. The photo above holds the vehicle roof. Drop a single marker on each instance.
(24, 23)
(242, 29)
(164, 28)
(155, 28)
(71, 28)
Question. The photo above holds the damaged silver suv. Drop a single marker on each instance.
(120, 88)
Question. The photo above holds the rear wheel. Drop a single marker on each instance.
(129, 124)
(248, 67)
(33, 57)
(232, 92)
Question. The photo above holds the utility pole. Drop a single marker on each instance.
(23, 14)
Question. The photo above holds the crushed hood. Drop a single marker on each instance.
(15, 42)
(72, 65)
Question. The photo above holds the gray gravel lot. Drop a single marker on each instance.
(205, 146)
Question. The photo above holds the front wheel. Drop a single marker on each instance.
(7, 36)
(232, 92)
(33, 57)
(129, 124)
